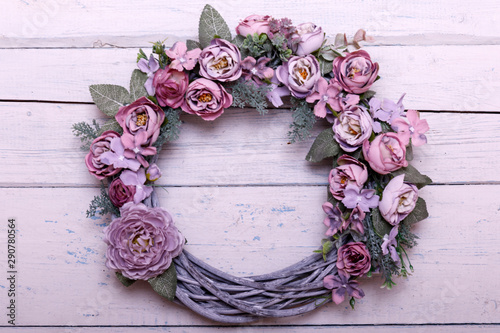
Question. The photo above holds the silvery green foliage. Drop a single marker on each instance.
(109, 97)
(87, 133)
(303, 120)
(137, 81)
(170, 129)
(248, 94)
(102, 205)
(211, 26)
(165, 284)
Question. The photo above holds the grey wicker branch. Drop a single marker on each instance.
(222, 297)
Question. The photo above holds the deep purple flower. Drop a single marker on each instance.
(119, 193)
(181, 57)
(364, 199)
(137, 179)
(142, 242)
(389, 245)
(340, 284)
(333, 220)
(115, 157)
(256, 70)
(355, 220)
(149, 68)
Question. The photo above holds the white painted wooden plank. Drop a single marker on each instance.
(61, 255)
(37, 148)
(267, 329)
(461, 78)
(90, 23)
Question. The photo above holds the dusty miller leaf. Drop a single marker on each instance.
(379, 224)
(192, 44)
(413, 176)
(137, 81)
(124, 280)
(212, 24)
(165, 284)
(325, 66)
(324, 146)
(109, 97)
(112, 125)
(419, 213)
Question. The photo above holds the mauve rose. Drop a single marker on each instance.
(308, 38)
(386, 153)
(170, 86)
(398, 200)
(98, 147)
(349, 171)
(142, 242)
(206, 99)
(119, 193)
(354, 259)
(352, 127)
(253, 24)
(355, 72)
(141, 116)
(220, 61)
(299, 75)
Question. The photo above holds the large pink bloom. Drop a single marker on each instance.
(398, 200)
(207, 99)
(355, 72)
(170, 86)
(386, 153)
(354, 259)
(349, 171)
(253, 24)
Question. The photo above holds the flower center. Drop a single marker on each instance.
(411, 129)
(353, 72)
(343, 180)
(143, 243)
(182, 60)
(253, 71)
(223, 63)
(142, 119)
(303, 73)
(205, 98)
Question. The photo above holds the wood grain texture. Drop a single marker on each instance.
(240, 148)
(245, 231)
(92, 23)
(429, 74)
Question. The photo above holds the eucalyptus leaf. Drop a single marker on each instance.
(165, 284)
(413, 176)
(137, 81)
(212, 24)
(192, 44)
(124, 280)
(326, 66)
(379, 224)
(324, 146)
(418, 214)
(109, 97)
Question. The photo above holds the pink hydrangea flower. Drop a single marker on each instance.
(414, 128)
(181, 57)
(326, 93)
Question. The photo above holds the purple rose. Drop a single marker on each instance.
(142, 242)
(386, 153)
(119, 193)
(307, 39)
(299, 75)
(355, 72)
(170, 86)
(253, 24)
(98, 147)
(206, 99)
(349, 171)
(140, 116)
(220, 61)
(398, 200)
(354, 259)
(352, 127)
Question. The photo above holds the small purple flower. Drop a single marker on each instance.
(149, 68)
(256, 70)
(389, 245)
(153, 173)
(364, 199)
(333, 220)
(116, 158)
(136, 147)
(181, 57)
(340, 285)
(276, 92)
(325, 93)
(137, 179)
(355, 220)
(385, 110)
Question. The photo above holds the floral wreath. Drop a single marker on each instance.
(372, 193)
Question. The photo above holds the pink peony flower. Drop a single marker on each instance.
(355, 72)
(386, 153)
(119, 193)
(352, 127)
(220, 61)
(354, 259)
(207, 99)
(181, 57)
(308, 38)
(349, 171)
(93, 161)
(414, 130)
(299, 75)
(170, 86)
(398, 200)
(253, 24)
(142, 242)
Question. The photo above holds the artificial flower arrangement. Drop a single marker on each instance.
(373, 192)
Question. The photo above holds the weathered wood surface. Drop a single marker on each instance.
(244, 198)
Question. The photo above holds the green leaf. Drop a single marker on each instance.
(324, 146)
(418, 214)
(367, 94)
(124, 280)
(212, 24)
(379, 224)
(165, 284)
(413, 176)
(409, 152)
(137, 81)
(327, 247)
(111, 125)
(325, 66)
(109, 97)
(238, 41)
(192, 44)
